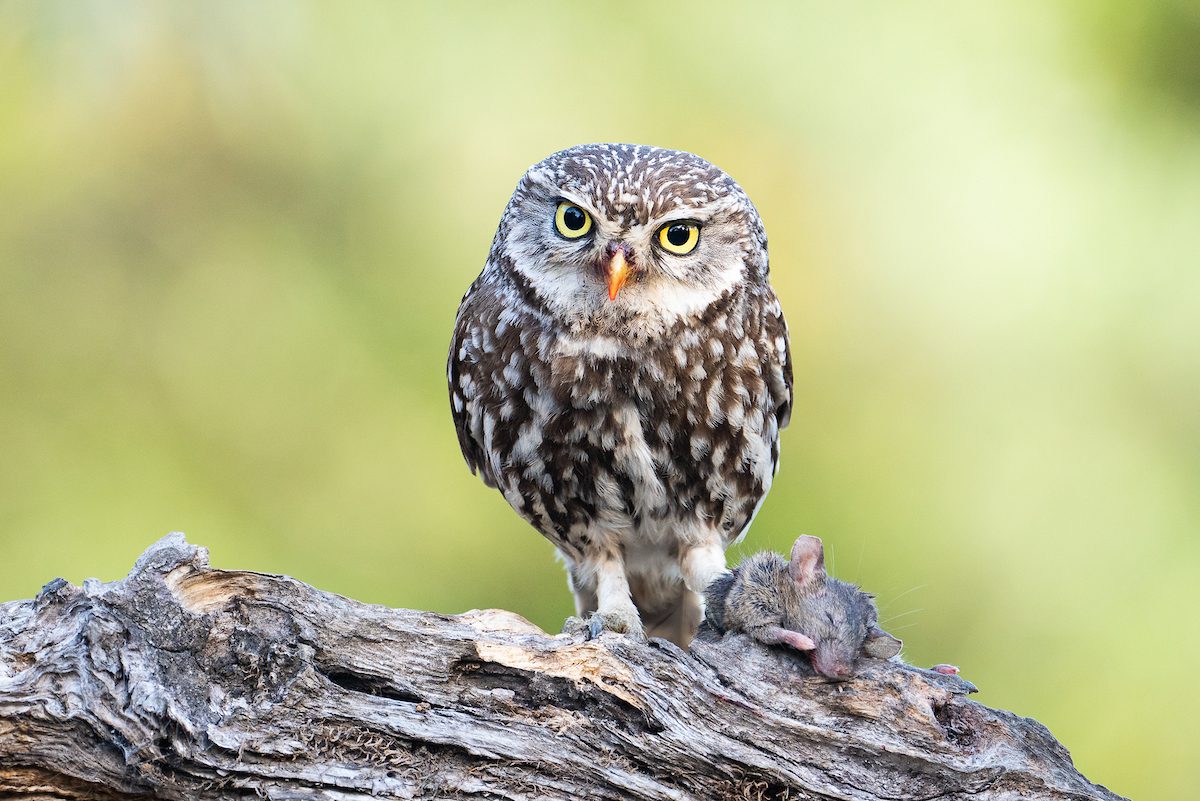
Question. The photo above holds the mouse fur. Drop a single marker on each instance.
(794, 602)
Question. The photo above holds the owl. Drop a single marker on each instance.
(620, 372)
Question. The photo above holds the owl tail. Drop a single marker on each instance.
(673, 615)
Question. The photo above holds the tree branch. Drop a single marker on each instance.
(182, 681)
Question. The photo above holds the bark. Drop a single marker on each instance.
(182, 681)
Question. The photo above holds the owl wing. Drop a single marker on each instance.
(463, 375)
(779, 358)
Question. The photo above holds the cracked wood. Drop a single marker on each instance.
(182, 681)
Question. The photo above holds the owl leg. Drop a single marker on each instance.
(679, 623)
(583, 590)
(614, 609)
(700, 566)
(703, 564)
(608, 590)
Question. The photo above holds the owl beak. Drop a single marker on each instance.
(618, 273)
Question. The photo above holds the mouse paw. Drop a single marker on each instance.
(945, 670)
(777, 635)
(795, 639)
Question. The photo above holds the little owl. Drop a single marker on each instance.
(620, 371)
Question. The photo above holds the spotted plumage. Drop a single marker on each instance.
(620, 371)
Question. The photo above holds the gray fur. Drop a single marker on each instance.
(767, 592)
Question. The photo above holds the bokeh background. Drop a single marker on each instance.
(233, 238)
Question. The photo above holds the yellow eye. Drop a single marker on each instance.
(679, 238)
(572, 221)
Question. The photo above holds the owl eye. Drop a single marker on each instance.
(572, 221)
(679, 238)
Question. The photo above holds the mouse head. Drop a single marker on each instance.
(839, 618)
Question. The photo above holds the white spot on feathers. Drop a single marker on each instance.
(663, 410)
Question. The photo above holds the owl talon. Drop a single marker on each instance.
(621, 621)
(597, 623)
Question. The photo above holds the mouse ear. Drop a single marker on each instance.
(880, 645)
(808, 560)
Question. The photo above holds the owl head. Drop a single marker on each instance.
(629, 239)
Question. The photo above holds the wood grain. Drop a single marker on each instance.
(182, 682)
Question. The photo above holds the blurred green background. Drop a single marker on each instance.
(233, 238)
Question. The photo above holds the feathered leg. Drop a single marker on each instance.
(600, 586)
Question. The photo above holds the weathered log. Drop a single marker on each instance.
(182, 681)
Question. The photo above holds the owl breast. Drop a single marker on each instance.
(583, 430)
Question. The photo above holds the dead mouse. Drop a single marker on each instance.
(795, 603)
